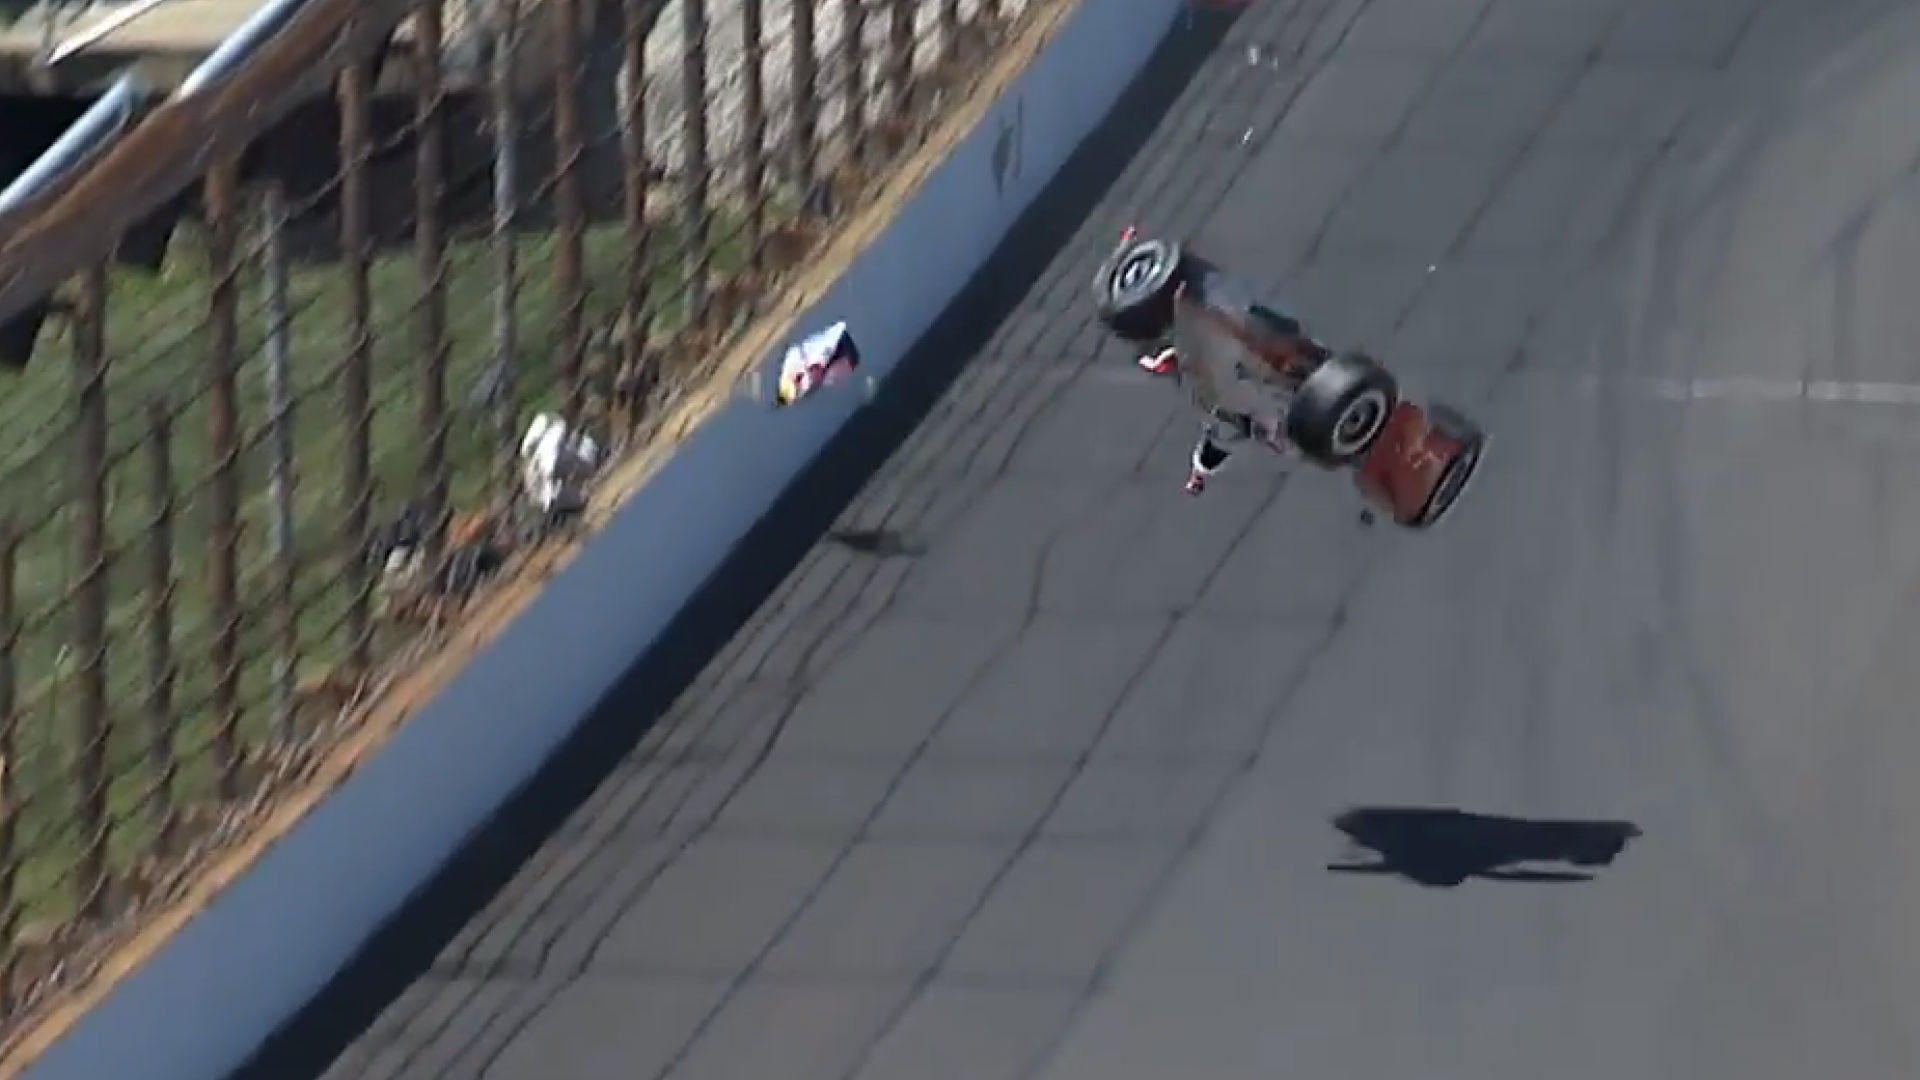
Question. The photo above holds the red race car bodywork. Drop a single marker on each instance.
(1342, 410)
(1419, 465)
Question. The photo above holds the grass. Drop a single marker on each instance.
(158, 353)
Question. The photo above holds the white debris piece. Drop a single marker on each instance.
(556, 464)
(818, 360)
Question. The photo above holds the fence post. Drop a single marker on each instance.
(853, 59)
(899, 59)
(506, 199)
(10, 800)
(694, 166)
(569, 145)
(753, 135)
(161, 665)
(273, 255)
(223, 424)
(356, 407)
(430, 249)
(949, 18)
(804, 131)
(90, 590)
(635, 384)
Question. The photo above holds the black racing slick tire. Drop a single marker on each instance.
(1134, 290)
(1341, 409)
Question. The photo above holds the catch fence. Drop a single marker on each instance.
(247, 481)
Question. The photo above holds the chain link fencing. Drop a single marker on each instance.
(263, 449)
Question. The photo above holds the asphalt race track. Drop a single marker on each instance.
(1037, 769)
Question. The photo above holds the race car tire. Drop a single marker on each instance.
(1341, 409)
(1134, 290)
(1459, 471)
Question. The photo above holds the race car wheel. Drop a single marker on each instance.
(1459, 471)
(1134, 290)
(1341, 409)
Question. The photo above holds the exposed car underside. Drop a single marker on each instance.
(1257, 367)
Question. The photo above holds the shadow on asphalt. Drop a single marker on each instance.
(880, 543)
(1445, 847)
(407, 945)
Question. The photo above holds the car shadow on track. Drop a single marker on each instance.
(1444, 847)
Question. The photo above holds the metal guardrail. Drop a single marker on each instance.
(286, 53)
(124, 104)
(242, 490)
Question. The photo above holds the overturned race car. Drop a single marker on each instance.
(1258, 376)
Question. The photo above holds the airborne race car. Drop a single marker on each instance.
(1257, 374)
